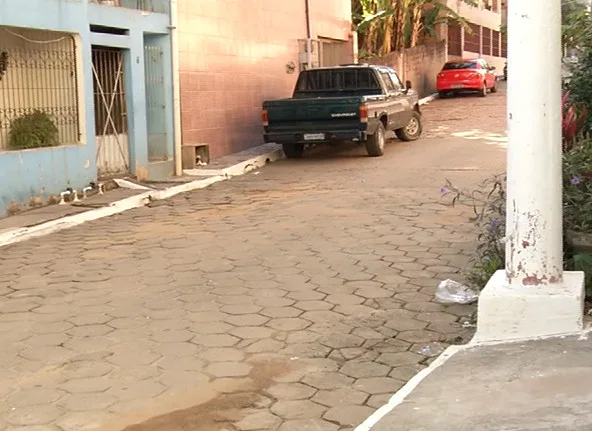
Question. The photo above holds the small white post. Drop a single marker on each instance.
(533, 297)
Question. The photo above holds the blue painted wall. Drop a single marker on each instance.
(47, 171)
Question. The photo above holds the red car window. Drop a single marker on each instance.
(459, 65)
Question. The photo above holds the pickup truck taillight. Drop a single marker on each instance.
(363, 113)
(265, 117)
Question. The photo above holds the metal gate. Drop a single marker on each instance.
(111, 129)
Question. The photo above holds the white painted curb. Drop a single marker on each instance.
(23, 234)
(428, 99)
(404, 392)
(240, 168)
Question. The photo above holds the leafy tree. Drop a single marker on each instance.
(392, 25)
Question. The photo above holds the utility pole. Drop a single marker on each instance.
(533, 296)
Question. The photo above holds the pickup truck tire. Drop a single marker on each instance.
(375, 144)
(293, 151)
(412, 131)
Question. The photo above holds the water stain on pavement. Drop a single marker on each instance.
(234, 400)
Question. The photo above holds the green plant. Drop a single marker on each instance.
(577, 187)
(488, 203)
(33, 130)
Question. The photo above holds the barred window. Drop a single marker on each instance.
(486, 40)
(473, 39)
(38, 74)
(455, 40)
(496, 43)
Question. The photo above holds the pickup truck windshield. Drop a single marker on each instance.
(337, 82)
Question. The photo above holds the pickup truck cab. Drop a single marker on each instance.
(357, 103)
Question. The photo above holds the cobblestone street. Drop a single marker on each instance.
(296, 298)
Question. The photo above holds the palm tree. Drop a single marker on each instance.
(392, 25)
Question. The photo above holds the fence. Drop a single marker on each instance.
(38, 73)
(420, 65)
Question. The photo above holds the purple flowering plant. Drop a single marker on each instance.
(488, 204)
(577, 187)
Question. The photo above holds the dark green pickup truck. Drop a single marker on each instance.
(357, 103)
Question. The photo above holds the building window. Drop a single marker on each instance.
(454, 40)
(496, 43)
(38, 74)
(486, 41)
(473, 39)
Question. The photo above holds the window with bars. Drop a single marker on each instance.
(38, 74)
(495, 37)
(454, 40)
(473, 38)
(487, 45)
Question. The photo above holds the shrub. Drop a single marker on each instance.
(577, 187)
(33, 130)
(488, 202)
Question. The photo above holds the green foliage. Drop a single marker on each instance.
(33, 130)
(582, 262)
(488, 203)
(392, 25)
(577, 187)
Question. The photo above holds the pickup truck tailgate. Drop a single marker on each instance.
(293, 114)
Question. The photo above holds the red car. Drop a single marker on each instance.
(466, 76)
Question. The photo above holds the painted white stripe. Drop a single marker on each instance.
(428, 99)
(14, 236)
(142, 199)
(404, 392)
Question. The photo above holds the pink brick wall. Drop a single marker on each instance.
(233, 56)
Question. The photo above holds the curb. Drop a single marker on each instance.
(254, 163)
(428, 99)
(25, 233)
(409, 387)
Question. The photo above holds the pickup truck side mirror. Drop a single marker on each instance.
(408, 85)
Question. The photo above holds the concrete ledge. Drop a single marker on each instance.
(509, 313)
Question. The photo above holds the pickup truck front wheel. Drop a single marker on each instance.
(293, 151)
(376, 143)
(412, 131)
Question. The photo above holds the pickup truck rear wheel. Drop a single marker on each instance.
(293, 151)
(413, 130)
(376, 143)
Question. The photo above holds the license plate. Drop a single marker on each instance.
(314, 136)
(457, 86)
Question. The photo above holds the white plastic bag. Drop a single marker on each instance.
(452, 292)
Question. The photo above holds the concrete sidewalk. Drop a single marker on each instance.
(537, 385)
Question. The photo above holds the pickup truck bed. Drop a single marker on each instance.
(350, 103)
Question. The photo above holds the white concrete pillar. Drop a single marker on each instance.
(534, 248)
(533, 297)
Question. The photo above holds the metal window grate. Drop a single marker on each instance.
(38, 72)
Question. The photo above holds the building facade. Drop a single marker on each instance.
(484, 37)
(234, 54)
(95, 76)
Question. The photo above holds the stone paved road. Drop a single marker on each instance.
(296, 298)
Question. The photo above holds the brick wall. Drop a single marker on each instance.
(420, 65)
(234, 55)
